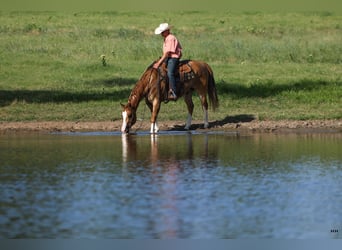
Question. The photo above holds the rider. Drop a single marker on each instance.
(172, 52)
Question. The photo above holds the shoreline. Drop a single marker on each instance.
(254, 126)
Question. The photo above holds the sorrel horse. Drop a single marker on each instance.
(153, 86)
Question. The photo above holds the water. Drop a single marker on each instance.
(174, 185)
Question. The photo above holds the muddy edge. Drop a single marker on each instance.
(255, 126)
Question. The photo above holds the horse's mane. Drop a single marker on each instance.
(147, 70)
(139, 86)
(151, 65)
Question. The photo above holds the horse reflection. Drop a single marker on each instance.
(164, 160)
(171, 149)
(129, 146)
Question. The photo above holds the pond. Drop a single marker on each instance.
(210, 185)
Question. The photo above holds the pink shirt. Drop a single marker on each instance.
(172, 45)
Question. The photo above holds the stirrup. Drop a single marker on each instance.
(172, 96)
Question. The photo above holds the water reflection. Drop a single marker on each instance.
(167, 165)
(163, 173)
(168, 194)
(181, 185)
(166, 151)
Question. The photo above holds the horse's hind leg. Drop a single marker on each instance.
(190, 105)
(205, 110)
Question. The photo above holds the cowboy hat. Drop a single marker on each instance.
(162, 27)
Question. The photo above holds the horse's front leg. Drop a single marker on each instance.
(190, 105)
(155, 107)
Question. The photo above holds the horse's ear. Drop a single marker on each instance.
(122, 105)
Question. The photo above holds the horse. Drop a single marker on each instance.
(153, 87)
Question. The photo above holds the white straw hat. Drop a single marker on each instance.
(162, 27)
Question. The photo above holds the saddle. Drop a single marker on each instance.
(185, 71)
(183, 74)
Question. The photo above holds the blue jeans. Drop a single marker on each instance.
(172, 66)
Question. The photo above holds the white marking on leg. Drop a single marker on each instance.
(124, 121)
(205, 116)
(154, 128)
(188, 122)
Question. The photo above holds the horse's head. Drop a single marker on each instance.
(129, 117)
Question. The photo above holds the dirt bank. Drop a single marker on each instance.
(253, 126)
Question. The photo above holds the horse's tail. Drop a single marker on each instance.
(212, 93)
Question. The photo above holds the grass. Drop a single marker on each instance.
(268, 65)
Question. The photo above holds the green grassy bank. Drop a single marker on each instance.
(269, 65)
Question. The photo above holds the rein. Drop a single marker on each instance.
(150, 80)
(151, 84)
(141, 120)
